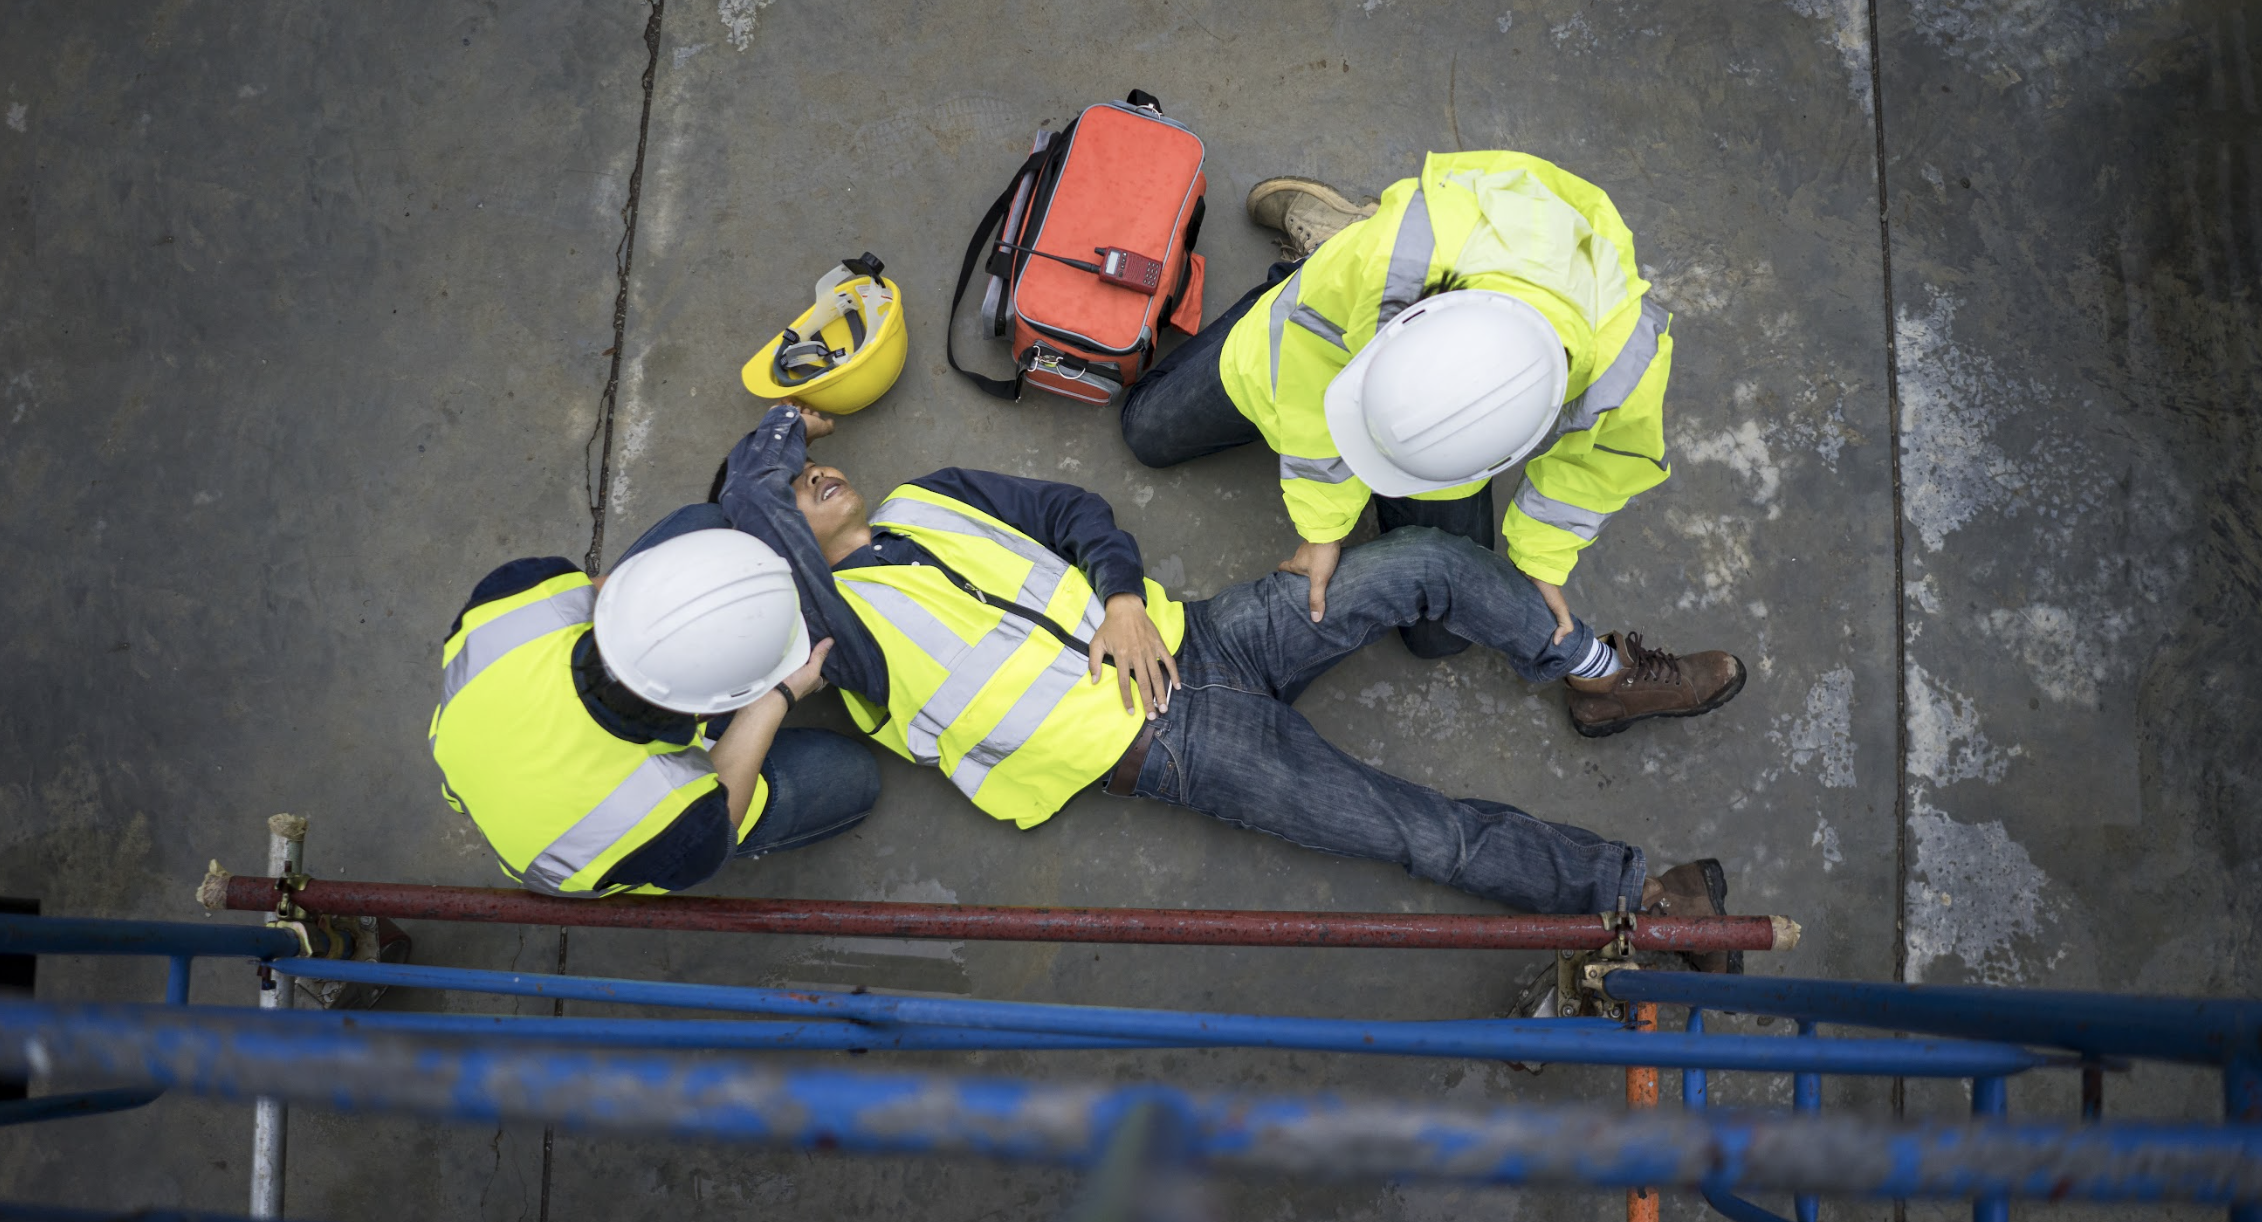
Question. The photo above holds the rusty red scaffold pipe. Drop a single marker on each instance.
(1162, 926)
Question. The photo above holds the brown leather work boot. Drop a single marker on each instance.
(1307, 210)
(1652, 683)
(1697, 888)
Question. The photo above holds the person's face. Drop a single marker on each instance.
(832, 506)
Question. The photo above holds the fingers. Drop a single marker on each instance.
(1097, 657)
(809, 678)
(1123, 682)
(1151, 688)
(1562, 626)
(1170, 664)
(1322, 572)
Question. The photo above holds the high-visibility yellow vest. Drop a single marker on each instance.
(998, 702)
(1506, 222)
(561, 799)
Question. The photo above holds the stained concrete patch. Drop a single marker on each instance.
(2069, 210)
(1974, 893)
(306, 315)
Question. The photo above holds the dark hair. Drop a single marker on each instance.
(1449, 282)
(594, 681)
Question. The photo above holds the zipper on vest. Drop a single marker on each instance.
(1031, 614)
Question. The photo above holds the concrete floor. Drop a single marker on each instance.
(312, 322)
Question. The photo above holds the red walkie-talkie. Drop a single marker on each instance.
(1129, 269)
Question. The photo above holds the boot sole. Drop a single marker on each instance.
(1288, 182)
(1608, 728)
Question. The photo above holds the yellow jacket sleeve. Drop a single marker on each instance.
(1570, 491)
(1323, 512)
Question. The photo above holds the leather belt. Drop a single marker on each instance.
(1124, 781)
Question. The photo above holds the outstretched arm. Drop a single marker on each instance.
(757, 496)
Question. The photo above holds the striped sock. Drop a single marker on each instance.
(1601, 661)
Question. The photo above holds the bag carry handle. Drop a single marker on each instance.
(1140, 97)
(997, 387)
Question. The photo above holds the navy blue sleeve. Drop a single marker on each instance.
(515, 577)
(1074, 523)
(757, 496)
(687, 853)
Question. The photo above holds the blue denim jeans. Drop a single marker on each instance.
(1233, 748)
(821, 783)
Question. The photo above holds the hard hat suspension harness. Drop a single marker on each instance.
(800, 360)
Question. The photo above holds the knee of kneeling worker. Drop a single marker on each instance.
(1148, 445)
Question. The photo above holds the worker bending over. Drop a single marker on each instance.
(995, 628)
(1418, 347)
(621, 733)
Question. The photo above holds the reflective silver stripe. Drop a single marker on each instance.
(1410, 253)
(1626, 371)
(486, 644)
(1046, 568)
(1020, 723)
(964, 681)
(942, 646)
(1317, 470)
(615, 817)
(1283, 306)
(969, 669)
(1315, 322)
(1585, 523)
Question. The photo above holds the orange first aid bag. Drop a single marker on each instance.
(1090, 253)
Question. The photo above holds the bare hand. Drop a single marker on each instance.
(1316, 561)
(810, 679)
(1132, 640)
(815, 423)
(1552, 595)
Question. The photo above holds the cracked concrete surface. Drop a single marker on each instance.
(316, 311)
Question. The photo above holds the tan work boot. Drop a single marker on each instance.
(1306, 209)
(1652, 683)
(1697, 888)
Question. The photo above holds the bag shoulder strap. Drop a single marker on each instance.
(1001, 388)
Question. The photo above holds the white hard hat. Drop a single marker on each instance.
(1455, 389)
(703, 623)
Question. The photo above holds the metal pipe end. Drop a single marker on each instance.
(1786, 932)
(289, 827)
(213, 891)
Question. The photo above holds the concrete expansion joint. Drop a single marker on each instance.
(598, 483)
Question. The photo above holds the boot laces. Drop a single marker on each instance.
(1651, 665)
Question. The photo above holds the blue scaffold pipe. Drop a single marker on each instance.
(1571, 1041)
(2188, 1029)
(1695, 1096)
(46, 935)
(748, 1100)
(659, 1035)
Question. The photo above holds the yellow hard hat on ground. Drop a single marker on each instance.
(844, 351)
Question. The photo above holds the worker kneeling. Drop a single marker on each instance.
(995, 628)
(1487, 312)
(622, 733)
